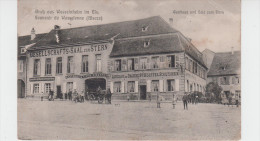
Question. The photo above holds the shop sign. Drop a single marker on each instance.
(42, 79)
(71, 50)
(87, 75)
(142, 75)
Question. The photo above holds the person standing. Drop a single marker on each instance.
(70, 95)
(108, 94)
(185, 101)
(82, 96)
(158, 100)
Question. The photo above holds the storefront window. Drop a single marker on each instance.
(131, 86)
(171, 84)
(143, 62)
(98, 60)
(36, 88)
(47, 87)
(70, 66)
(155, 62)
(155, 85)
(130, 64)
(84, 63)
(118, 65)
(48, 66)
(117, 87)
(36, 68)
(59, 65)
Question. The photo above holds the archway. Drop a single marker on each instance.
(20, 89)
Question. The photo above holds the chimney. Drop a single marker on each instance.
(33, 34)
(232, 50)
(56, 27)
(57, 36)
(171, 21)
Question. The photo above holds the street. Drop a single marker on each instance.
(126, 120)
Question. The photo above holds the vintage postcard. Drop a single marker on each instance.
(129, 70)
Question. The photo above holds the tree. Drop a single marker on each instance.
(215, 89)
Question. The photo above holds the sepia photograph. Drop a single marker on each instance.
(129, 70)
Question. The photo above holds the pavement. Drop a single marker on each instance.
(122, 120)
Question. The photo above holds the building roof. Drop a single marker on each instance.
(226, 63)
(170, 43)
(24, 41)
(154, 26)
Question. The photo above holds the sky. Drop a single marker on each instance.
(217, 32)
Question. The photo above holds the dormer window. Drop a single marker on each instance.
(146, 43)
(144, 28)
(23, 50)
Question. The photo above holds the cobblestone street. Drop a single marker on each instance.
(126, 120)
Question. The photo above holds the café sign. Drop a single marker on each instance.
(71, 50)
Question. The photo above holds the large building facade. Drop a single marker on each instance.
(137, 59)
(225, 70)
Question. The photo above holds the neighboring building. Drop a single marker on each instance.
(139, 58)
(226, 71)
(24, 42)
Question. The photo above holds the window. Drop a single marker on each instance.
(131, 86)
(84, 63)
(20, 67)
(118, 65)
(233, 80)
(144, 28)
(59, 65)
(171, 84)
(155, 62)
(36, 68)
(117, 87)
(47, 87)
(238, 94)
(237, 80)
(155, 85)
(130, 64)
(48, 66)
(69, 86)
(70, 66)
(36, 88)
(171, 61)
(23, 50)
(143, 62)
(98, 61)
(146, 43)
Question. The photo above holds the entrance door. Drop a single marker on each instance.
(21, 89)
(143, 92)
(59, 95)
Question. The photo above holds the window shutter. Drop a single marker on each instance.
(161, 85)
(64, 87)
(74, 85)
(148, 86)
(112, 66)
(148, 65)
(124, 65)
(136, 86)
(125, 86)
(31, 88)
(41, 85)
(136, 62)
(112, 87)
(122, 87)
(177, 61)
(177, 85)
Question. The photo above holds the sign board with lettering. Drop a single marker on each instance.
(42, 79)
